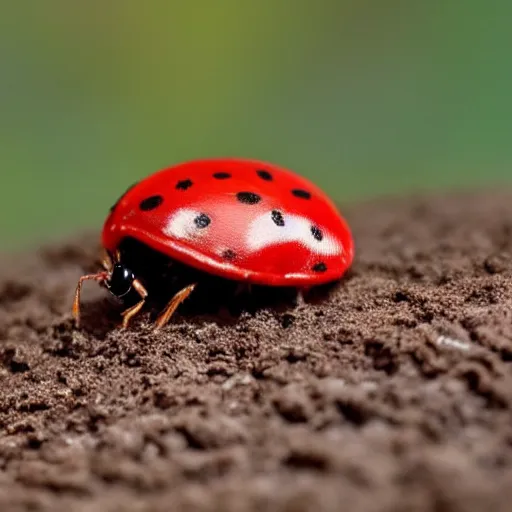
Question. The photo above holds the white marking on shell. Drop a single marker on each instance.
(263, 232)
(297, 275)
(181, 225)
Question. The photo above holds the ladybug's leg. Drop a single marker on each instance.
(100, 276)
(129, 313)
(107, 261)
(300, 299)
(173, 305)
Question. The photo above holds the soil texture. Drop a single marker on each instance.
(391, 391)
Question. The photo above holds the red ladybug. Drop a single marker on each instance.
(243, 220)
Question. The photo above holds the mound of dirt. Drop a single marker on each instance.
(390, 392)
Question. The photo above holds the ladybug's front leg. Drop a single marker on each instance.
(173, 305)
(300, 298)
(100, 277)
(129, 313)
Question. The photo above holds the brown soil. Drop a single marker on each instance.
(391, 392)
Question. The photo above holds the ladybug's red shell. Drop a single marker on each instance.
(241, 219)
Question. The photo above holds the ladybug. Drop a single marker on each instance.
(244, 220)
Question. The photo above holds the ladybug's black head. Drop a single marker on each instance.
(120, 280)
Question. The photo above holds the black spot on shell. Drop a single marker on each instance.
(277, 217)
(184, 184)
(221, 175)
(248, 197)
(112, 208)
(302, 194)
(229, 255)
(319, 267)
(150, 203)
(317, 233)
(202, 220)
(264, 175)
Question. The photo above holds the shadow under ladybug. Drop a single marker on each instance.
(138, 268)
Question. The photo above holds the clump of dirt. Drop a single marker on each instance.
(390, 391)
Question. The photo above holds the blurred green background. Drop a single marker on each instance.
(364, 97)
